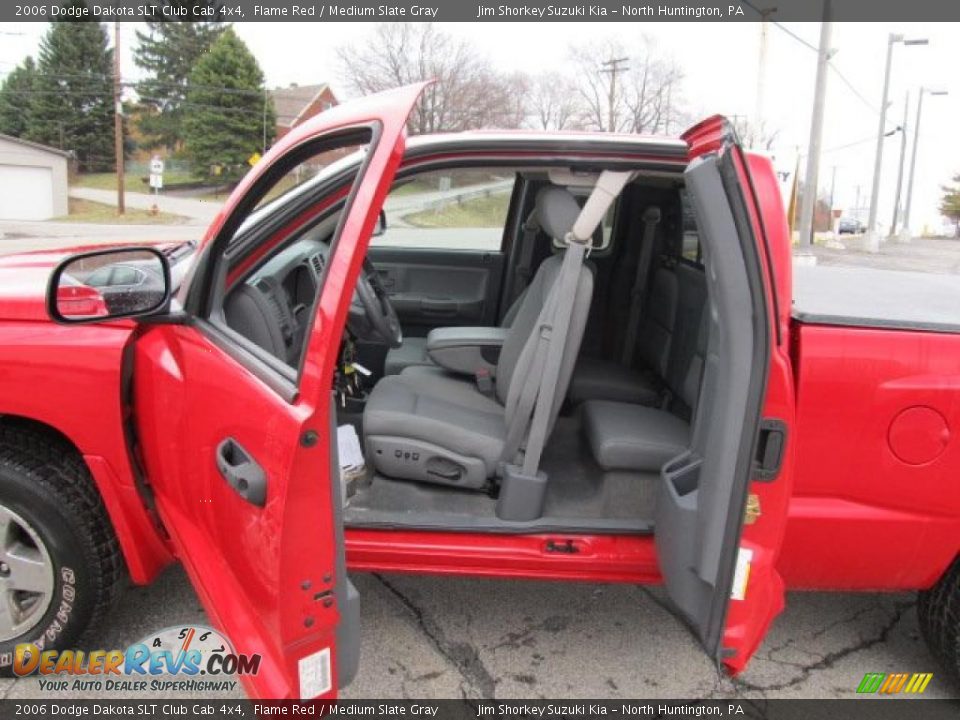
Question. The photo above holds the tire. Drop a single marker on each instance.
(57, 523)
(939, 612)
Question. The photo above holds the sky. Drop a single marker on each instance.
(720, 62)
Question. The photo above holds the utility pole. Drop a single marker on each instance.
(613, 68)
(905, 232)
(872, 240)
(118, 118)
(666, 122)
(816, 131)
(765, 14)
(903, 157)
(264, 118)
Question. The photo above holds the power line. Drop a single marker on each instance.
(872, 138)
(853, 89)
(830, 63)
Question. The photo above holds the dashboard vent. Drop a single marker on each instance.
(317, 262)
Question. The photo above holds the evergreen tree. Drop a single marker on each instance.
(950, 204)
(16, 95)
(72, 106)
(226, 111)
(167, 52)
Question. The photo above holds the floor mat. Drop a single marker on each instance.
(580, 496)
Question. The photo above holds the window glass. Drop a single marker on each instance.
(456, 209)
(306, 171)
(291, 233)
(690, 248)
(124, 275)
(99, 278)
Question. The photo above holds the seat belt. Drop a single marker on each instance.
(528, 241)
(651, 217)
(533, 405)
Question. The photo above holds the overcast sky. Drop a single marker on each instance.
(720, 64)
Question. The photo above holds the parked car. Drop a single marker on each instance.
(590, 375)
(123, 286)
(850, 226)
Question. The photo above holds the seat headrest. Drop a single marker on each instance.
(557, 211)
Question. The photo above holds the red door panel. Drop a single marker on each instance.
(240, 473)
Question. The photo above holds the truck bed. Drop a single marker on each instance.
(866, 297)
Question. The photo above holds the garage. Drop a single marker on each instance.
(33, 180)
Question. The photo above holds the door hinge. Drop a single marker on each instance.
(771, 446)
(752, 511)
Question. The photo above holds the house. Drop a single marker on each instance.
(33, 180)
(297, 103)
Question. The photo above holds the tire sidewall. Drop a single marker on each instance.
(75, 584)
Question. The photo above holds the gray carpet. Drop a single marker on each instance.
(580, 497)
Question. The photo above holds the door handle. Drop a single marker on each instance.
(242, 472)
(771, 445)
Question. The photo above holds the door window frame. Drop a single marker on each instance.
(209, 287)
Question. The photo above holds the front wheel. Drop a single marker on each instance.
(939, 612)
(60, 564)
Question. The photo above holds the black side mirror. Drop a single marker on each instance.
(109, 284)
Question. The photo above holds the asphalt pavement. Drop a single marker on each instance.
(430, 637)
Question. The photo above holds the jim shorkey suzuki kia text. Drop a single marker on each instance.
(512, 355)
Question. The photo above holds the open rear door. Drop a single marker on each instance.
(722, 506)
(240, 454)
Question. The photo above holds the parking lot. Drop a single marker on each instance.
(426, 637)
(429, 637)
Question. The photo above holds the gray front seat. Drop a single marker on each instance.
(429, 426)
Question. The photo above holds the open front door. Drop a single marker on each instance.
(238, 447)
(722, 506)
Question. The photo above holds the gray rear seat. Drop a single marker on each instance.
(623, 436)
(602, 379)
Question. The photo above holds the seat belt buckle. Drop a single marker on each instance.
(484, 381)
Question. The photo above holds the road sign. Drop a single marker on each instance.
(156, 165)
(156, 181)
(253, 159)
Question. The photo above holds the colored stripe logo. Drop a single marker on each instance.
(894, 683)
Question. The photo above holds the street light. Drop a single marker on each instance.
(905, 232)
(872, 240)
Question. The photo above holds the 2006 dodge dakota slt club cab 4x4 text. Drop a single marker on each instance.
(601, 379)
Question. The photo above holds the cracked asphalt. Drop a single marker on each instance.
(429, 637)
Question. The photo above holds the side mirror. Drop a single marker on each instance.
(381, 227)
(108, 284)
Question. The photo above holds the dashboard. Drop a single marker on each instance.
(272, 306)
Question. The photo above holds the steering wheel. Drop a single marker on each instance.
(377, 306)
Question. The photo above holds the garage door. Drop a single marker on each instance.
(26, 192)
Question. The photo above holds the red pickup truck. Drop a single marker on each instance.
(510, 355)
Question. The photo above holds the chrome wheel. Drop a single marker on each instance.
(26, 576)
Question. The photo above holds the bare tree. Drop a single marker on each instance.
(554, 102)
(468, 94)
(593, 86)
(758, 136)
(647, 91)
